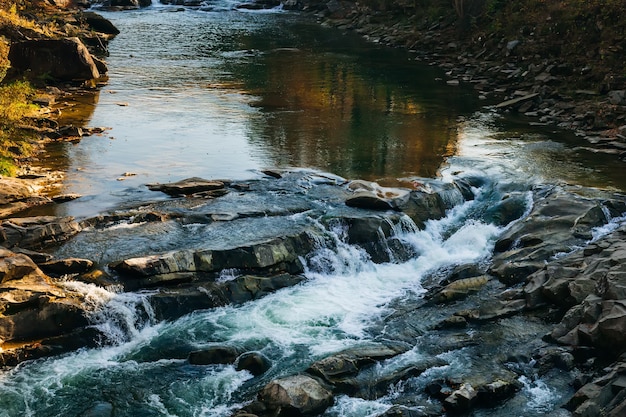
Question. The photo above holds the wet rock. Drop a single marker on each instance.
(350, 362)
(250, 287)
(461, 400)
(423, 206)
(171, 303)
(493, 393)
(37, 257)
(375, 234)
(188, 186)
(37, 232)
(214, 355)
(279, 254)
(506, 211)
(126, 4)
(516, 101)
(299, 395)
(452, 322)
(31, 305)
(64, 59)
(616, 96)
(370, 195)
(67, 266)
(402, 411)
(64, 198)
(460, 289)
(569, 216)
(254, 362)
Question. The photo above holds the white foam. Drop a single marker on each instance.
(540, 397)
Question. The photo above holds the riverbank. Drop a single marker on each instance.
(553, 64)
(54, 54)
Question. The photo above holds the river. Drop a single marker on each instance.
(221, 93)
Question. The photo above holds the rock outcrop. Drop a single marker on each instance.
(32, 306)
(64, 59)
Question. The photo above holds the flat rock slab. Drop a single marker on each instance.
(188, 186)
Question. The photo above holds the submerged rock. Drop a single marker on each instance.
(214, 355)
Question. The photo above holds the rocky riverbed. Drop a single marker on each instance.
(555, 276)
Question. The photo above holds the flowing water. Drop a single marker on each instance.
(220, 93)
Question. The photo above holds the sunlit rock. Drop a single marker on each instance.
(37, 232)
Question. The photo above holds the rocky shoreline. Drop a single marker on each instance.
(511, 74)
(66, 68)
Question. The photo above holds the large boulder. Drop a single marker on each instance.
(32, 306)
(64, 59)
(17, 195)
(297, 395)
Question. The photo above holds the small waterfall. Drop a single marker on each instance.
(120, 316)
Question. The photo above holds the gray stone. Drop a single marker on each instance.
(296, 395)
(616, 96)
(188, 186)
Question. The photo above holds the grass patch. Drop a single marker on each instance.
(15, 142)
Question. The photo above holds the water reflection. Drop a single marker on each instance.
(320, 112)
(225, 94)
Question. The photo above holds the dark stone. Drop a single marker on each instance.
(99, 23)
(214, 355)
(37, 232)
(275, 255)
(67, 266)
(64, 59)
(254, 362)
